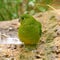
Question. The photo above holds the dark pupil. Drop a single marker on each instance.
(22, 17)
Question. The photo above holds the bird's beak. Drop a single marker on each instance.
(19, 19)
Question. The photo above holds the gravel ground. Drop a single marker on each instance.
(49, 45)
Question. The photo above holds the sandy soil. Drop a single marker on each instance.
(50, 39)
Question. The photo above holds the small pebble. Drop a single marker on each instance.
(37, 57)
(11, 29)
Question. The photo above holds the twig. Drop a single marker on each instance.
(54, 9)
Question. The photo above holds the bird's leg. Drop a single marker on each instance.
(28, 53)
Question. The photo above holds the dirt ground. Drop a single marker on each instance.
(50, 39)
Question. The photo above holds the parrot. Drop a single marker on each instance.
(29, 31)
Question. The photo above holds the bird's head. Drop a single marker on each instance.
(25, 17)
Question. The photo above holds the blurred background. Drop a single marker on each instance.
(12, 9)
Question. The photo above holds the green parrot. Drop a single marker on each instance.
(29, 31)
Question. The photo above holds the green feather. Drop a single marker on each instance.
(30, 30)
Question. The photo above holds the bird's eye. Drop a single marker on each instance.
(22, 18)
